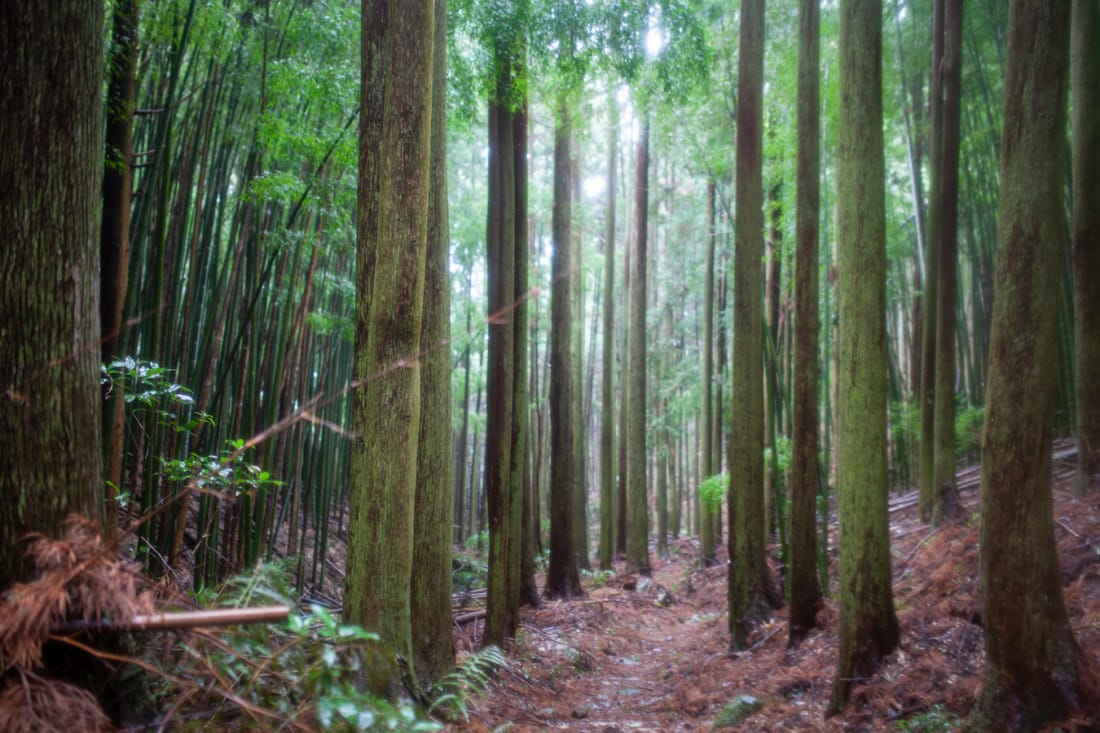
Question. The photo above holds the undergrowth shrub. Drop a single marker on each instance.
(933, 720)
(310, 673)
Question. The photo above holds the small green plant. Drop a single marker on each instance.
(597, 578)
(453, 695)
(712, 490)
(227, 472)
(478, 541)
(149, 391)
(933, 720)
(468, 572)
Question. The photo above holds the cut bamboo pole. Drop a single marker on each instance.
(183, 620)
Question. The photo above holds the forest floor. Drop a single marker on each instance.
(617, 660)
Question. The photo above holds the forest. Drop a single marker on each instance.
(507, 365)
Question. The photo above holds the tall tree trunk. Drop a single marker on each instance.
(927, 470)
(944, 492)
(624, 404)
(522, 561)
(772, 375)
(395, 141)
(461, 526)
(580, 443)
(51, 166)
(750, 587)
(1086, 237)
(868, 625)
(499, 624)
(114, 244)
(803, 590)
(706, 435)
(607, 376)
(562, 577)
(1035, 672)
(718, 426)
(637, 524)
(433, 640)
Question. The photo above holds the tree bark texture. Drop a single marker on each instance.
(927, 468)
(1033, 664)
(637, 487)
(1086, 236)
(562, 576)
(868, 625)
(607, 376)
(392, 232)
(748, 571)
(944, 490)
(51, 167)
(114, 243)
(499, 623)
(706, 434)
(803, 589)
(523, 487)
(433, 640)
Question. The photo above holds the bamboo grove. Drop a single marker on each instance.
(630, 259)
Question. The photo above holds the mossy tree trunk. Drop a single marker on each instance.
(525, 513)
(803, 589)
(868, 626)
(433, 640)
(394, 167)
(944, 491)
(562, 576)
(607, 376)
(749, 584)
(707, 434)
(637, 487)
(1035, 671)
(1086, 236)
(927, 467)
(51, 167)
(499, 622)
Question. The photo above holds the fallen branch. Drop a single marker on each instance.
(465, 618)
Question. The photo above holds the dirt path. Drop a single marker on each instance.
(617, 660)
(624, 658)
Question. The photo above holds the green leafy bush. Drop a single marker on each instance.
(968, 430)
(712, 490)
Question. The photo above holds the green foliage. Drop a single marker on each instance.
(469, 572)
(713, 489)
(306, 673)
(477, 540)
(932, 720)
(905, 421)
(783, 456)
(228, 471)
(453, 694)
(968, 430)
(150, 392)
(597, 578)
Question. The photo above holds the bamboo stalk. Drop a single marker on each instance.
(167, 620)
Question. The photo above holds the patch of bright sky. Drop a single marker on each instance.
(594, 186)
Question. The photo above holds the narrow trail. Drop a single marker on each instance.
(621, 659)
(626, 657)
